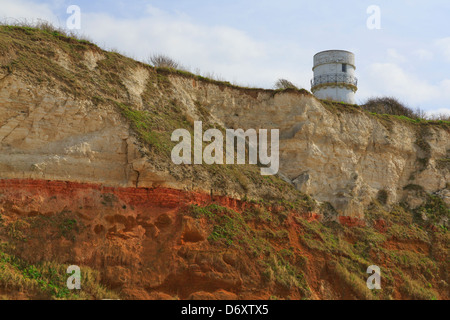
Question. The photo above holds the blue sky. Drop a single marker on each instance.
(254, 43)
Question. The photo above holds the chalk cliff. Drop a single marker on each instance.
(337, 154)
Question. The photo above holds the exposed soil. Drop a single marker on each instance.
(146, 245)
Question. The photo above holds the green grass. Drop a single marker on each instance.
(229, 227)
(418, 122)
(231, 230)
(67, 226)
(434, 210)
(285, 268)
(146, 124)
(416, 290)
(387, 119)
(47, 280)
(354, 280)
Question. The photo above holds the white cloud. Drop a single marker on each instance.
(423, 54)
(153, 11)
(175, 36)
(21, 10)
(228, 52)
(444, 47)
(390, 79)
(394, 55)
(440, 111)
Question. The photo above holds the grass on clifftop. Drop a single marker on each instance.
(385, 118)
(73, 44)
(34, 57)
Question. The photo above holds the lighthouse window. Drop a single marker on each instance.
(344, 68)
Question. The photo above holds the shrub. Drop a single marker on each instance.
(389, 105)
(163, 61)
(416, 291)
(414, 187)
(392, 106)
(382, 196)
(283, 84)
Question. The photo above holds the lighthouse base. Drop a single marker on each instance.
(336, 94)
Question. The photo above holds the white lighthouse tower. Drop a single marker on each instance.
(334, 76)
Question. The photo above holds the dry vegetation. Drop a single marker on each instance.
(163, 61)
(392, 106)
(282, 84)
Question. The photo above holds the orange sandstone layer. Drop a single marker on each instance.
(163, 197)
(140, 239)
(146, 246)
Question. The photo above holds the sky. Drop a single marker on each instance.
(255, 42)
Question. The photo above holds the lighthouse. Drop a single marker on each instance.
(334, 76)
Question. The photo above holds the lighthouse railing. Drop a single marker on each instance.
(334, 78)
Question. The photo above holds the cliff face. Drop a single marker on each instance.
(338, 155)
(86, 178)
(142, 240)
